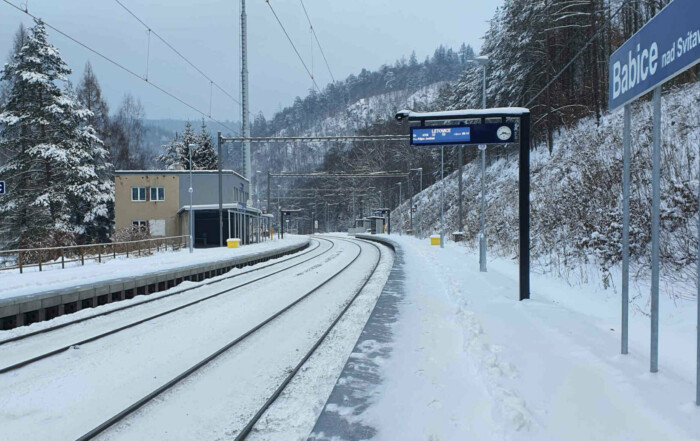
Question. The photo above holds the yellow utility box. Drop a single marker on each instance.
(435, 240)
(233, 243)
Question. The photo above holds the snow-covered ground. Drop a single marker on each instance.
(53, 277)
(63, 396)
(469, 361)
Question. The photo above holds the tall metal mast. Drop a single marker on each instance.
(244, 95)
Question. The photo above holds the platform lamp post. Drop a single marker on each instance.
(191, 190)
(420, 215)
(257, 188)
(482, 61)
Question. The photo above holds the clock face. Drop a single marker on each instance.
(504, 133)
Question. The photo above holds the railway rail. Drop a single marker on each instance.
(126, 412)
(267, 319)
(94, 338)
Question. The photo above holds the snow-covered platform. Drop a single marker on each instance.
(353, 391)
(37, 296)
(450, 353)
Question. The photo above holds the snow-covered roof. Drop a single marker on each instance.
(176, 172)
(464, 113)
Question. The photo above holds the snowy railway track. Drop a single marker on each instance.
(65, 347)
(243, 434)
(246, 430)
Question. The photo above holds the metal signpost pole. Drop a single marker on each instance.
(191, 190)
(638, 66)
(482, 234)
(524, 205)
(655, 227)
(221, 196)
(626, 140)
(410, 203)
(442, 197)
(420, 214)
(697, 327)
(400, 201)
(459, 187)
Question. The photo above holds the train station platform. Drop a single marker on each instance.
(450, 352)
(37, 296)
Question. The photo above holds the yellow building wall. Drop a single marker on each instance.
(126, 211)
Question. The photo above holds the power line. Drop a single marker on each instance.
(578, 54)
(150, 30)
(293, 46)
(120, 66)
(313, 31)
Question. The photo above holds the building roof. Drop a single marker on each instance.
(233, 206)
(177, 172)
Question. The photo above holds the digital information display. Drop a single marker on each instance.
(498, 133)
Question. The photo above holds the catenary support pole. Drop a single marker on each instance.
(655, 228)
(245, 123)
(442, 197)
(626, 140)
(524, 206)
(221, 195)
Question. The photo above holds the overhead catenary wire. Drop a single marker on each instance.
(313, 31)
(293, 45)
(178, 53)
(120, 66)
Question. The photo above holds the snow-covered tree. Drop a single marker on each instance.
(53, 191)
(205, 157)
(176, 154)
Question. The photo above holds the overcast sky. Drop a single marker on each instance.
(354, 34)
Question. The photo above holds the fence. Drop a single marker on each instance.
(42, 257)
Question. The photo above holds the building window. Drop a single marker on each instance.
(140, 225)
(157, 194)
(138, 194)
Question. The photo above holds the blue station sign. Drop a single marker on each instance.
(2, 187)
(665, 47)
(498, 133)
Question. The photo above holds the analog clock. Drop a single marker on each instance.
(504, 133)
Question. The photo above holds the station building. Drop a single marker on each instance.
(158, 201)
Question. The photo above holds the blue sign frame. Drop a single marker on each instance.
(2, 187)
(665, 47)
(469, 134)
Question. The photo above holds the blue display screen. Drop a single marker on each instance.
(489, 133)
(440, 135)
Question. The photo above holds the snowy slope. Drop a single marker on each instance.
(576, 201)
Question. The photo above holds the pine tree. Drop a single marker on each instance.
(50, 176)
(204, 157)
(89, 94)
(176, 154)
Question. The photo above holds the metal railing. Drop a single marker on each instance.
(42, 257)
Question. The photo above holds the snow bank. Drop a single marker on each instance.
(53, 277)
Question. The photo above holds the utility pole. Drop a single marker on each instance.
(245, 132)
